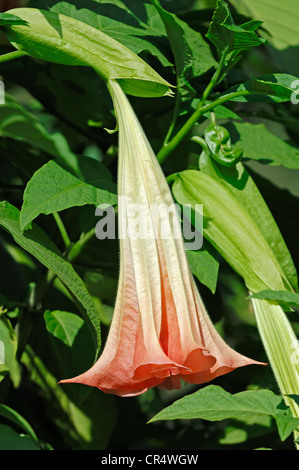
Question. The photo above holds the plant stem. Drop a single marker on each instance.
(62, 230)
(174, 142)
(11, 56)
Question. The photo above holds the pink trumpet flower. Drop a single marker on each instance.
(160, 332)
(10, 4)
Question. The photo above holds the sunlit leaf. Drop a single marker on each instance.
(213, 403)
(283, 298)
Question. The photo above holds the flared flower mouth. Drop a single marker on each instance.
(160, 332)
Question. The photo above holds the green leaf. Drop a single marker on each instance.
(241, 184)
(3, 371)
(229, 227)
(229, 39)
(63, 325)
(205, 266)
(258, 143)
(15, 417)
(283, 298)
(212, 403)
(193, 56)
(280, 19)
(37, 243)
(53, 189)
(275, 87)
(280, 341)
(65, 40)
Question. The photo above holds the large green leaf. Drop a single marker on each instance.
(231, 230)
(61, 39)
(213, 403)
(53, 189)
(44, 250)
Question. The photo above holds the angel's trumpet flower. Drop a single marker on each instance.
(160, 332)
